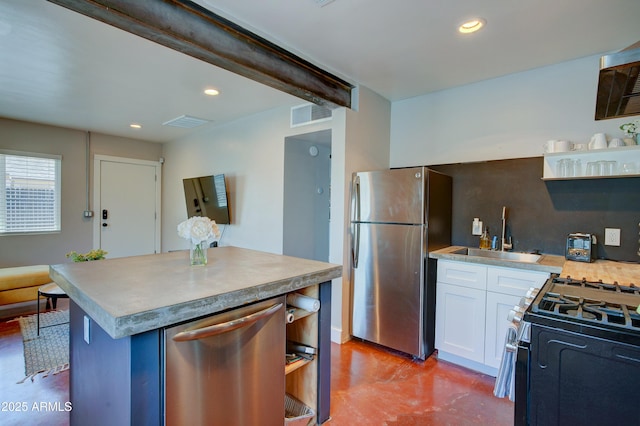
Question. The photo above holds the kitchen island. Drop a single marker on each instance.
(120, 307)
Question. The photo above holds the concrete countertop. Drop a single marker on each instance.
(548, 263)
(608, 271)
(132, 295)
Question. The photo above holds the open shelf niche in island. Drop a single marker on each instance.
(302, 375)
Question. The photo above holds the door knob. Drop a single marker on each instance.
(104, 225)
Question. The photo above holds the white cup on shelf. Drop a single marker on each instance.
(598, 141)
(557, 146)
(616, 143)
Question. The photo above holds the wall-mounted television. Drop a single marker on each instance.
(206, 196)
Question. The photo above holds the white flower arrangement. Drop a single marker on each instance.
(199, 229)
(632, 128)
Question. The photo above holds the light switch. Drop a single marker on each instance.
(87, 327)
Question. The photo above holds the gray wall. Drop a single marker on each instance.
(306, 211)
(77, 231)
(540, 213)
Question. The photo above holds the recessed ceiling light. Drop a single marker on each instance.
(135, 126)
(472, 26)
(211, 92)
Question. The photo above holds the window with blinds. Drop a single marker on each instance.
(30, 195)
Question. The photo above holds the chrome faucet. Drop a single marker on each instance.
(504, 246)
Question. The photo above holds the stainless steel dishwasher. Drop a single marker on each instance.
(227, 369)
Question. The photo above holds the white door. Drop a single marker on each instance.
(127, 206)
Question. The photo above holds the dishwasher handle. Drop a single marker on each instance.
(224, 327)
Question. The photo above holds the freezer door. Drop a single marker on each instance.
(388, 287)
(389, 196)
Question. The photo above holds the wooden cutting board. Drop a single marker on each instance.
(606, 270)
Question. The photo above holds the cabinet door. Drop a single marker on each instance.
(514, 281)
(498, 307)
(460, 321)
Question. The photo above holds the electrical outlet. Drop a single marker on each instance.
(612, 237)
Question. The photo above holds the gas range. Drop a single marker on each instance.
(591, 307)
(584, 338)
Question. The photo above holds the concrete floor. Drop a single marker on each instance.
(375, 386)
(370, 385)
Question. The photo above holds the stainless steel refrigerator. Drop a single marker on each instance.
(397, 217)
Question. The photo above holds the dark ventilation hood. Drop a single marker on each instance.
(618, 85)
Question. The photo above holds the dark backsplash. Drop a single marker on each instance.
(540, 213)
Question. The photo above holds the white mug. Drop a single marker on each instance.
(598, 141)
(557, 146)
(616, 142)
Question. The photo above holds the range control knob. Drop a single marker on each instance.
(514, 315)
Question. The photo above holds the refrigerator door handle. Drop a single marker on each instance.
(225, 327)
(355, 244)
(355, 199)
(355, 216)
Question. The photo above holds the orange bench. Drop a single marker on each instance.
(21, 283)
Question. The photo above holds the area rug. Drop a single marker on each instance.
(47, 353)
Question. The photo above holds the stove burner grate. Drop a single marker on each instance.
(586, 309)
(598, 285)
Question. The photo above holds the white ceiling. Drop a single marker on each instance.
(58, 67)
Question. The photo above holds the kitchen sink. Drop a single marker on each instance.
(501, 255)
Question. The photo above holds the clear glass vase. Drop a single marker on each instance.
(198, 253)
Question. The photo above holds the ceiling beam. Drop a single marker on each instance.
(195, 31)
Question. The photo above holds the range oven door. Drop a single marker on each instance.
(580, 379)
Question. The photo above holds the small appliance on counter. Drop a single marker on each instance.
(580, 247)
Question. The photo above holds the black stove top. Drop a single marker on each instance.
(586, 306)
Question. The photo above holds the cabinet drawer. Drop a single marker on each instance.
(514, 281)
(464, 274)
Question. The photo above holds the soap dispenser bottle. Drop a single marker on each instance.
(476, 227)
(485, 242)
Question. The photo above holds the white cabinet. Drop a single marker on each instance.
(472, 304)
(496, 324)
(460, 316)
(629, 155)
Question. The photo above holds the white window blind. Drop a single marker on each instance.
(30, 195)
